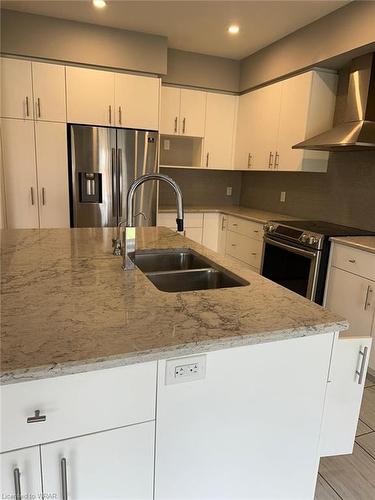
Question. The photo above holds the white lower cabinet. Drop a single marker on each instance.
(21, 474)
(116, 464)
(211, 230)
(344, 395)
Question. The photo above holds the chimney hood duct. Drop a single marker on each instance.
(357, 132)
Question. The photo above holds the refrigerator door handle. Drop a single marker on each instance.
(119, 181)
(113, 173)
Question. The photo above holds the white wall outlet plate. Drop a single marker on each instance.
(167, 144)
(185, 369)
(229, 191)
(283, 196)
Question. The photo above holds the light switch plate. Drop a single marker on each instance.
(167, 144)
(229, 191)
(283, 196)
(185, 369)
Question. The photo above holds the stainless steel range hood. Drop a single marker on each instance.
(357, 132)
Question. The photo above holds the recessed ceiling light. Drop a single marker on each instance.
(99, 4)
(233, 29)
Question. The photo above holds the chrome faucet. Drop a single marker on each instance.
(129, 235)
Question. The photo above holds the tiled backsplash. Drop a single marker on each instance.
(202, 187)
(344, 195)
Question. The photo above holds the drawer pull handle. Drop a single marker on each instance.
(368, 297)
(352, 261)
(234, 245)
(361, 371)
(17, 484)
(36, 418)
(253, 253)
(256, 231)
(64, 480)
(234, 225)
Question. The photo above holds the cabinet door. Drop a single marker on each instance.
(192, 112)
(112, 464)
(245, 127)
(170, 110)
(348, 295)
(16, 89)
(211, 231)
(49, 92)
(137, 101)
(90, 96)
(232, 429)
(344, 395)
(194, 233)
(222, 240)
(20, 179)
(52, 162)
(21, 474)
(219, 131)
(263, 133)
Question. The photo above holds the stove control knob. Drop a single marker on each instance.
(305, 238)
(269, 227)
(312, 240)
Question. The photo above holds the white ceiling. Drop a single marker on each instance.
(196, 26)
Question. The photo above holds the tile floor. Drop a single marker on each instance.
(352, 477)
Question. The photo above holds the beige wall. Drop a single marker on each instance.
(199, 70)
(74, 42)
(341, 32)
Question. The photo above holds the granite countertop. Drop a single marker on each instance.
(68, 307)
(252, 214)
(366, 243)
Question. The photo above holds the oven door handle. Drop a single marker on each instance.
(299, 251)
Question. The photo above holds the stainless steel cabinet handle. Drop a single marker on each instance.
(270, 160)
(110, 114)
(175, 125)
(17, 483)
(36, 418)
(234, 225)
(43, 196)
(32, 195)
(256, 231)
(120, 115)
(64, 480)
(38, 108)
(352, 261)
(207, 159)
(233, 245)
(253, 253)
(223, 221)
(368, 297)
(27, 107)
(361, 371)
(277, 160)
(183, 125)
(113, 168)
(249, 160)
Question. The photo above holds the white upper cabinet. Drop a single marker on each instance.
(20, 177)
(16, 89)
(170, 110)
(33, 90)
(183, 112)
(307, 108)
(51, 152)
(219, 130)
(49, 92)
(274, 118)
(137, 101)
(90, 96)
(192, 112)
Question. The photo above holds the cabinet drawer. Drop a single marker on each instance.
(245, 249)
(168, 219)
(354, 260)
(245, 227)
(77, 404)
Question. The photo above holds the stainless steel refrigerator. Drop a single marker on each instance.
(103, 163)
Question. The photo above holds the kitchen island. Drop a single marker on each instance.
(225, 393)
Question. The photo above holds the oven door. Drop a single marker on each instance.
(291, 266)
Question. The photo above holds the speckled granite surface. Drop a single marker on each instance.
(68, 307)
(366, 243)
(253, 214)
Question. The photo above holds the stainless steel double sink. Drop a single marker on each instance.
(184, 270)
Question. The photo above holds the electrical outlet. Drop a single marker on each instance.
(167, 144)
(185, 369)
(229, 191)
(283, 196)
